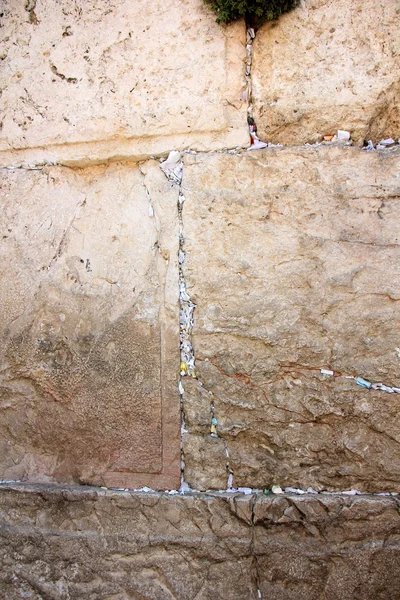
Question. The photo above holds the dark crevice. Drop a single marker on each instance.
(62, 76)
(30, 6)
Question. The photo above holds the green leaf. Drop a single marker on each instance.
(256, 12)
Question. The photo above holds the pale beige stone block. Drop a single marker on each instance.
(327, 66)
(88, 327)
(87, 82)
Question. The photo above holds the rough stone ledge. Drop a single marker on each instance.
(65, 542)
(83, 154)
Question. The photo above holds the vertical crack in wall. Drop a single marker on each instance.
(186, 320)
(255, 142)
(186, 306)
(173, 170)
(257, 575)
(250, 36)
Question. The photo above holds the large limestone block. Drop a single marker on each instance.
(89, 340)
(121, 545)
(90, 81)
(314, 547)
(329, 65)
(69, 544)
(293, 261)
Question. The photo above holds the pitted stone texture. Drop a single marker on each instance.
(333, 547)
(96, 81)
(197, 405)
(292, 258)
(125, 546)
(325, 66)
(89, 335)
(68, 543)
(205, 461)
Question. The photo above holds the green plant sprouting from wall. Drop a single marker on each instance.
(255, 12)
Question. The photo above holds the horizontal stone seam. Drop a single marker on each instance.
(238, 151)
(20, 487)
(176, 540)
(111, 140)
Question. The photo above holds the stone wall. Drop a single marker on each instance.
(71, 544)
(92, 82)
(330, 64)
(223, 319)
(302, 276)
(89, 339)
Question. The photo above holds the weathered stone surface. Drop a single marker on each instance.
(333, 547)
(292, 258)
(205, 461)
(329, 65)
(197, 406)
(72, 543)
(99, 81)
(103, 544)
(88, 328)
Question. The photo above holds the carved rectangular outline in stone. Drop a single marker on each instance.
(145, 471)
(169, 474)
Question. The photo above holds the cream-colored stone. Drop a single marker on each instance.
(329, 65)
(89, 335)
(293, 261)
(94, 81)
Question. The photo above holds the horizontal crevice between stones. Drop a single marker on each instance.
(82, 154)
(75, 491)
(37, 159)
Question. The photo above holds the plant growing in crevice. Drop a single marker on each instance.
(255, 12)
